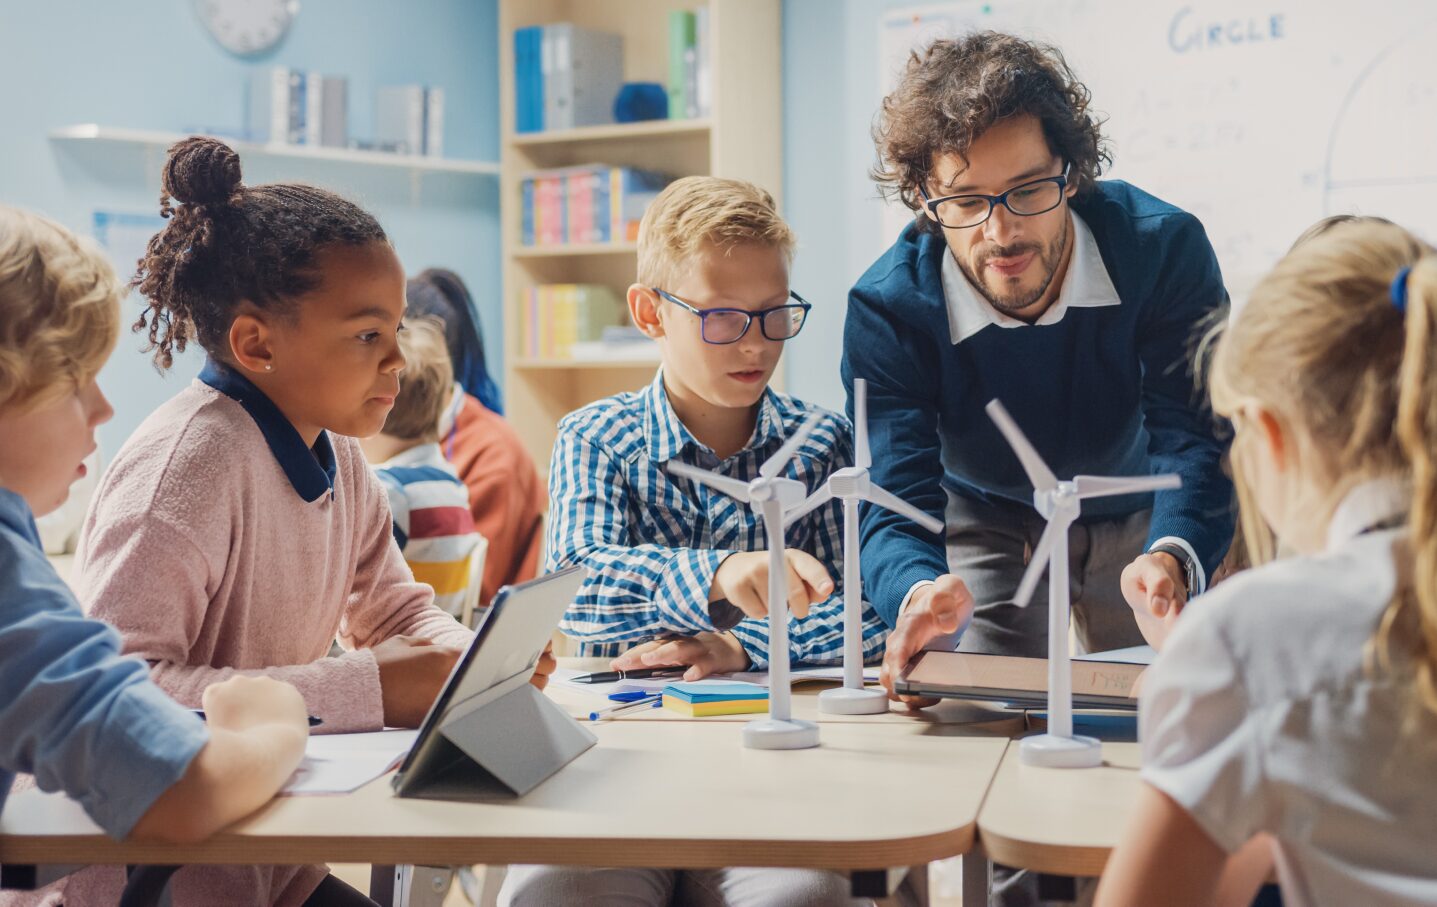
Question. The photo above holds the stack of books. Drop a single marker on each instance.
(555, 317)
(593, 203)
(409, 119)
(698, 700)
(690, 65)
(565, 76)
(294, 107)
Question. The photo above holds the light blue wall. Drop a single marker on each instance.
(830, 94)
(151, 65)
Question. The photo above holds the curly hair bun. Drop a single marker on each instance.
(202, 171)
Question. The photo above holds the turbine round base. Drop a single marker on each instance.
(848, 701)
(772, 734)
(1048, 751)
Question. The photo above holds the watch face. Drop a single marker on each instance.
(247, 26)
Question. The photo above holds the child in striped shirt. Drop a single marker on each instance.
(430, 504)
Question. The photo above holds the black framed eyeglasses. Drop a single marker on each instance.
(1031, 198)
(720, 326)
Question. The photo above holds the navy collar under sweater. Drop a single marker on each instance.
(310, 470)
(1106, 390)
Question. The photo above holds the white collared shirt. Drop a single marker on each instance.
(1086, 285)
(1264, 714)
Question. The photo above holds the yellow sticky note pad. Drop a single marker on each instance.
(722, 707)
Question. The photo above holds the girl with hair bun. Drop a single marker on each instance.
(240, 530)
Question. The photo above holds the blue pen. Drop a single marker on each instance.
(630, 695)
(650, 701)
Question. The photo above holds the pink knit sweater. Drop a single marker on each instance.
(201, 550)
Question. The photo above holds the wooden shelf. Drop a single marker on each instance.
(648, 364)
(602, 248)
(91, 132)
(620, 131)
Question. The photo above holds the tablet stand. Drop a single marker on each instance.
(501, 747)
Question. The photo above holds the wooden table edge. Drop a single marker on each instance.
(1056, 859)
(450, 850)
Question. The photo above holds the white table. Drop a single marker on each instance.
(884, 793)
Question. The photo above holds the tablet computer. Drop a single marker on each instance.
(1019, 682)
(520, 732)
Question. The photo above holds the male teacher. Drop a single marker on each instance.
(1078, 304)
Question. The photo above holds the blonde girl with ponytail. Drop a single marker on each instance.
(1292, 715)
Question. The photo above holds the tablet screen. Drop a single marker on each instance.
(511, 638)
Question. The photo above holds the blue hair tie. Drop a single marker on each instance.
(1398, 290)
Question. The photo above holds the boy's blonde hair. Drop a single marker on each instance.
(59, 309)
(1322, 344)
(705, 209)
(425, 385)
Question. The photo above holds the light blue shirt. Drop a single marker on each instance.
(74, 713)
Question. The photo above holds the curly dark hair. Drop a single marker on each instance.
(952, 91)
(228, 243)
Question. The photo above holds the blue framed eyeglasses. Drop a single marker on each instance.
(720, 326)
(1031, 198)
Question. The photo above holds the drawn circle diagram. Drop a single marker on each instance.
(1382, 152)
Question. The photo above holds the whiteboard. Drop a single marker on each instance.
(1259, 118)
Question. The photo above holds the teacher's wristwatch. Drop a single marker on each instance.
(1184, 560)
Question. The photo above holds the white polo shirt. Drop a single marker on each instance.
(1261, 715)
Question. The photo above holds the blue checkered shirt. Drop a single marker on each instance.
(652, 541)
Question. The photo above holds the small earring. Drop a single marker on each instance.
(269, 366)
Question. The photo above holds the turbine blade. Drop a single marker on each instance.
(774, 464)
(1036, 566)
(734, 488)
(811, 503)
(1102, 486)
(1038, 472)
(885, 498)
(861, 456)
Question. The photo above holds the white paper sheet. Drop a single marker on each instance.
(341, 763)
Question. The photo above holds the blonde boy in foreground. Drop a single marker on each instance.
(69, 695)
(668, 558)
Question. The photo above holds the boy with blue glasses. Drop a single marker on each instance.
(674, 560)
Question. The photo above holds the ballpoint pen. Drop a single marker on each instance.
(615, 676)
(649, 702)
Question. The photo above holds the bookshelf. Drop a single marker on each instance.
(742, 138)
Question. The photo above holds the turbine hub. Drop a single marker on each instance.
(849, 482)
(788, 492)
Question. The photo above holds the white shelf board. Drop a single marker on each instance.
(564, 250)
(91, 132)
(531, 364)
(611, 132)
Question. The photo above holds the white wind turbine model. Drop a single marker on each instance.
(852, 485)
(770, 494)
(1060, 504)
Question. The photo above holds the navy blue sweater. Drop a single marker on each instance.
(1104, 391)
